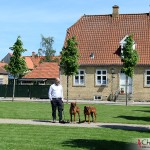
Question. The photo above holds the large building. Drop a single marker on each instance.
(100, 39)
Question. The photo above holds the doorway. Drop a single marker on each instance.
(123, 83)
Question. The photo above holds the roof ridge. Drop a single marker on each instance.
(111, 15)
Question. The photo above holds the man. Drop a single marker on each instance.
(56, 98)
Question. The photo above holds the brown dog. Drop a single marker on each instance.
(90, 110)
(73, 110)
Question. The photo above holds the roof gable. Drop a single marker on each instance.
(3, 71)
(29, 62)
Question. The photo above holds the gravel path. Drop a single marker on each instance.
(133, 127)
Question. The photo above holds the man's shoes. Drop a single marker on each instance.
(54, 121)
(62, 121)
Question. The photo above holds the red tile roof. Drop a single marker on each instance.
(2, 64)
(101, 34)
(29, 62)
(45, 70)
(34, 61)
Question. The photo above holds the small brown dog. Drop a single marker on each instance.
(73, 110)
(90, 110)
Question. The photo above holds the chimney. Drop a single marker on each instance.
(33, 54)
(115, 12)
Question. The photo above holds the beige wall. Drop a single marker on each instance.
(90, 89)
(140, 91)
(5, 78)
(87, 92)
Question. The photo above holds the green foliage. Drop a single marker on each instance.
(17, 65)
(69, 57)
(46, 48)
(130, 57)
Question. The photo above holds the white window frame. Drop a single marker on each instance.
(1, 80)
(79, 75)
(26, 83)
(41, 83)
(122, 44)
(101, 82)
(147, 75)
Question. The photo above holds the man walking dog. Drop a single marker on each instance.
(56, 97)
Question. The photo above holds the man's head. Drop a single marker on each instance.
(57, 81)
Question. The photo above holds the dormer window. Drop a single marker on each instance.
(92, 55)
(122, 44)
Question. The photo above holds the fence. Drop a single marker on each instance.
(31, 91)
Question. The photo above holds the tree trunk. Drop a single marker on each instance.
(13, 90)
(67, 87)
(126, 90)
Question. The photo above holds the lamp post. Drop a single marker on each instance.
(112, 88)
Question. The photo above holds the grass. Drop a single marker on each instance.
(30, 137)
(36, 137)
(105, 113)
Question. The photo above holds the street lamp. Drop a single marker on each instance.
(112, 70)
(112, 88)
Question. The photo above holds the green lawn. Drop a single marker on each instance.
(30, 137)
(36, 137)
(105, 113)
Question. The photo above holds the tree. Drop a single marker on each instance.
(130, 58)
(17, 65)
(46, 48)
(69, 59)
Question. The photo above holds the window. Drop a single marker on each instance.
(97, 97)
(1, 80)
(79, 79)
(147, 77)
(123, 43)
(41, 83)
(26, 83)
(101, 77)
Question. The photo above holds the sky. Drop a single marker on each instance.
(51, 18)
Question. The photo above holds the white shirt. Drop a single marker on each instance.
(55, 91)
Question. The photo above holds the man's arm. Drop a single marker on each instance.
(49, 93)
(62, 95)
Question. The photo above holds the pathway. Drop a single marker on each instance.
(133, 127)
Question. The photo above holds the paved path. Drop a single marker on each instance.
(133, 127)
(23, 99)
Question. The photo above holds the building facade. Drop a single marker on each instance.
(100, 39)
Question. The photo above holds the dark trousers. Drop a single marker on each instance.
(57, 103)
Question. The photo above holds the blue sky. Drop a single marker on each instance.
(31, 18)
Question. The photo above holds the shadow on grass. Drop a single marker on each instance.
(135, 118)
(127, 128)
(147, 111)
(91, 144)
